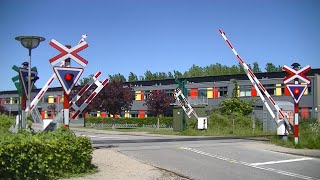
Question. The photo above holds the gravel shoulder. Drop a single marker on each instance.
(114, 165)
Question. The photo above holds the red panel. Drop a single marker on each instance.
(103, 114)
(58, 99)
(52, 115)
(141, 114)
(116, 116)
(142, 96)
(253, 91)
(194, 93)
(304, 112)
(42, 114)
(86, 115)
(2, 101)
(215, 92)
(286, 91)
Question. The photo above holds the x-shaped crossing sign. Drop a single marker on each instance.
(293, 74)
(68, 53)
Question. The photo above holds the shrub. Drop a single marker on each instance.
(237, 105)
(5, 123)
(45, 155)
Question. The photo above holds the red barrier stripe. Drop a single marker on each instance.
(272, 101)
(229, 44)
(91, 97)
(239, 58)
(97, 75)
(63, 52)
(281, 113)
(105, 82)
(31, 107)
(261, 87)
(50, 81)
(70, 104)
(41, 95)
(251, 73)
(83, 89)
(220, 31)
(76, 114)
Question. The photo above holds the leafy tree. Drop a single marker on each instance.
(85, 80)
(270, 67)
(170, 75)
(256, 67)
(117, 77)
(194, 71)
(3, 110)
(114, 98)
(177, 74)
(132, 77)
(157, 102)
(148, 75)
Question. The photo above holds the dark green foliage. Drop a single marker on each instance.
(140, 121)
(46, 155)
(236, 105)
(158, 101)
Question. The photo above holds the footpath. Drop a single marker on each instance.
(117, 166)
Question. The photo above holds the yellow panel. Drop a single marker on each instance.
(50, 99)
(138, 95)
(278, 90)
(126, 114)
(98, 114)
(305, 92)
(209, 93)
(45, 114)
(11, 102)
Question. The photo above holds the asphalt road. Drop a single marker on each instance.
(209, 157)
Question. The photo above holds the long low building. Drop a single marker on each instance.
(208, 90)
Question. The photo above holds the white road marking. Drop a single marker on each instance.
(92, 136)
(249, 164)
(282, 161)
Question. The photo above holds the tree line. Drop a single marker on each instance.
(194, 71)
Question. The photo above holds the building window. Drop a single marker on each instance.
(245, 91)
(202, 93)
(270, 88)
(7, 101)
(15, 100)
(223, 91)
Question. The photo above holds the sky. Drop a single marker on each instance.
(159, 35)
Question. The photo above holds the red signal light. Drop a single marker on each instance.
(296, 91)
(68, 77)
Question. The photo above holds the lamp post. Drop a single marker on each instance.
(29, 42)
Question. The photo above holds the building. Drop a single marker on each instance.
(209, 90)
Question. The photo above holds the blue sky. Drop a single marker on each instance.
(159, 35)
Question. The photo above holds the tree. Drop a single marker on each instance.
(132, 77)
(195, 71)
(256, 67)
(117, 77)
(3, 110)
(177, 74)
(85, 80)
(270, 67)
(157, 102)
(114, 98)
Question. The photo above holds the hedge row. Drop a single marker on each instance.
(46, 155)
(140, 121)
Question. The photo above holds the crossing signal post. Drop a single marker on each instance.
(184, 92)
(296, 90)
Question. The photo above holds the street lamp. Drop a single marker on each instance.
(29, 42)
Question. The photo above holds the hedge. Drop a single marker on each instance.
(140, 121)
(45, 155)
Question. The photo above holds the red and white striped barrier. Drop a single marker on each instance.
(256, 83)
(78, 109)
(188, 110)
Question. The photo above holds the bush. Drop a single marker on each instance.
(140, 121)
(45, 155)
(5, 123)
(236, 105)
